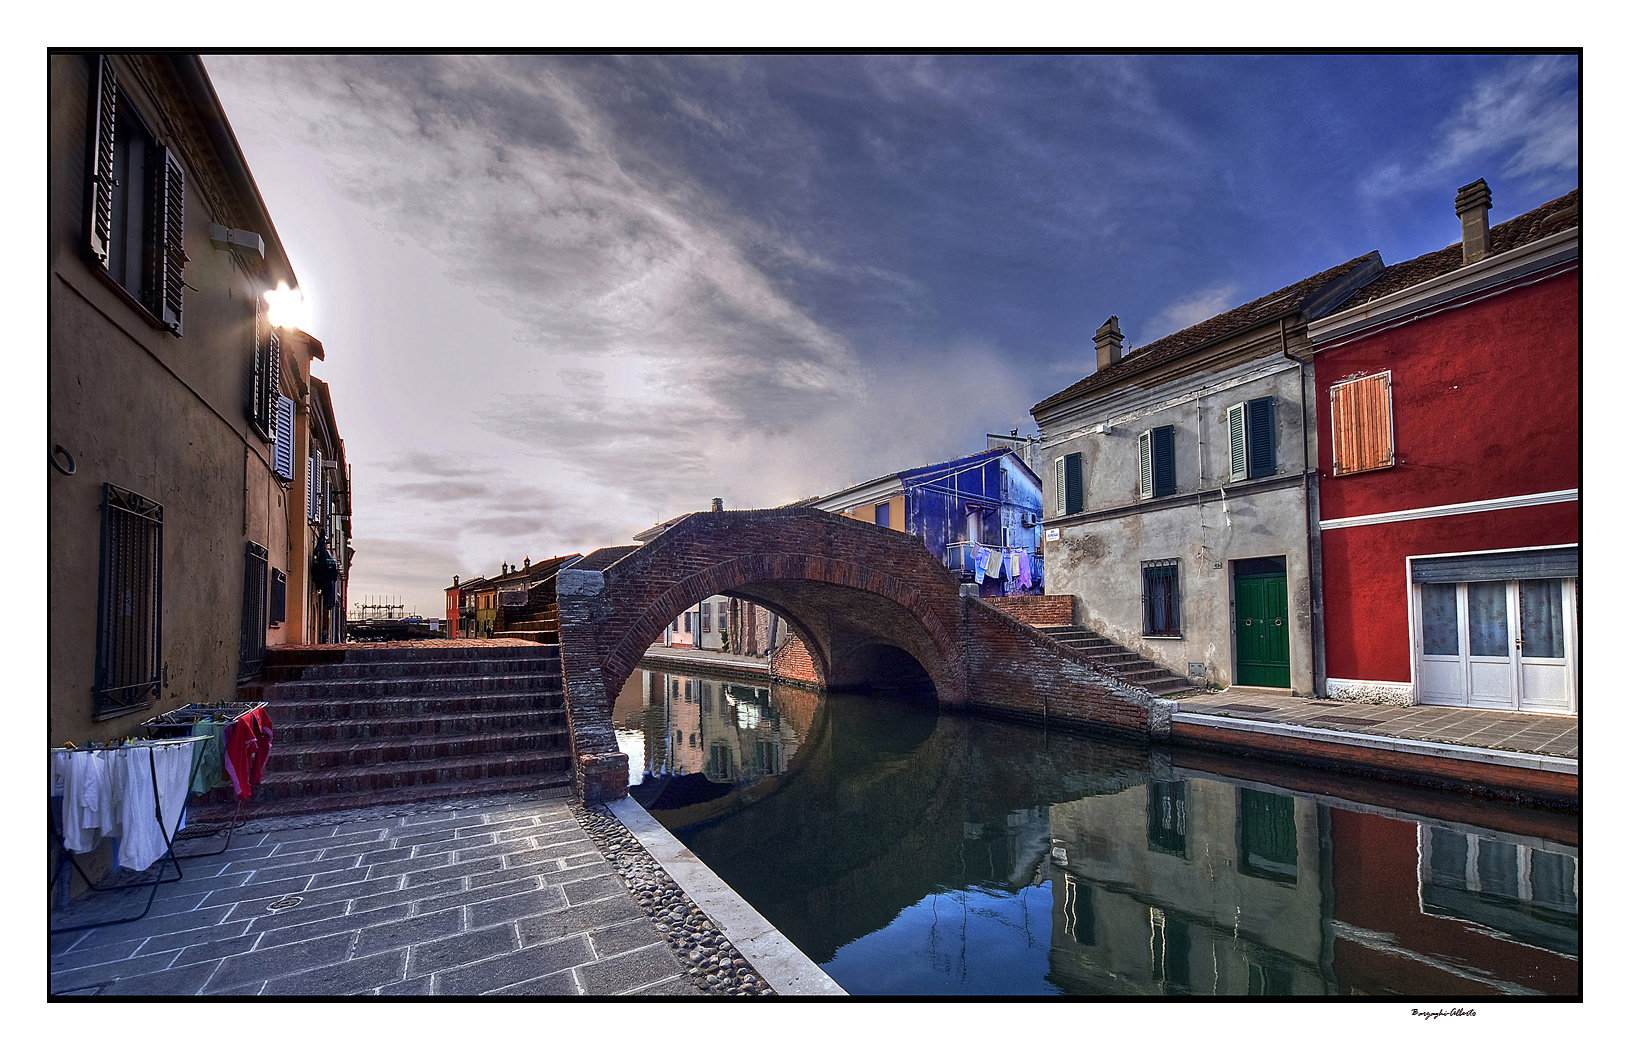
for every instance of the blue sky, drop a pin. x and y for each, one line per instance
(566, 297)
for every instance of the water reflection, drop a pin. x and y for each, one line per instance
(913, 853)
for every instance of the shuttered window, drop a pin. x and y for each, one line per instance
(1361, 424)
(268, 364)
(1058, 485)
(1251, 440)
(1157, 465)
(1069, 491)
(314, 473)
(283, 445)
(136, 202)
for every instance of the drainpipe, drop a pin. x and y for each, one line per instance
(1315, 549)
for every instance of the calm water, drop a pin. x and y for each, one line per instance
(909, 852)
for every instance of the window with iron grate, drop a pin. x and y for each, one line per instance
(1162, 604)
(129, 604)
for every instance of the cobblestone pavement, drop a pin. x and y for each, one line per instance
(1555, 736)
(497, 896)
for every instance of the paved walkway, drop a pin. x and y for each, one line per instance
(1554, 736)
(506, 897)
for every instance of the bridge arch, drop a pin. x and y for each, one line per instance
(858, 595)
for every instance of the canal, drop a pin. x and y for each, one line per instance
(917, 853)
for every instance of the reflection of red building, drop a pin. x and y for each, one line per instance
(1449, 443)
(1411, 901)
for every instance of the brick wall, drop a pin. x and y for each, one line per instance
(792, 661)
(1038, 610)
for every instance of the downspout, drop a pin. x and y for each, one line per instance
(1315, 550)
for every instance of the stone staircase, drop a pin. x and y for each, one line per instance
(538, 620)
(1118, 661)
(365, 725)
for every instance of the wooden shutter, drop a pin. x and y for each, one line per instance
(274, 374)
(1361, 424)
(1260, 439)
(257, 383)
(1165, 462)
(1146, 474)
(1058, 486)
(283, 443)
(314, 466)
(1074, 494)
(103, 115)
(169, 229)
(1238, 464)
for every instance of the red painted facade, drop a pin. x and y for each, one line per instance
(1485, 405)
(452, 612)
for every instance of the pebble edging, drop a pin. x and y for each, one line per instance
(711, 962)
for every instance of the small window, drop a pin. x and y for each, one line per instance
(129, 607)
(1267, 835)
(279, 604)
(1251, 440)
(1361, 424)
(1069, 492)
(252, 628)
(882, 514)
(1161, 600)
(1157, 465)
(1168, 817)
(707, 616)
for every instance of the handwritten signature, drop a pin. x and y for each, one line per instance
(1431, 1015)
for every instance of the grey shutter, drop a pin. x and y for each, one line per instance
(314, 466)
(257, 383)
(1165, 462)
(283, 442)
(103, 115)
(1554, 563)
(1238, 465)
(1261, 438)
(274, 373)
(1146, 475)
(1058, 485)
(170, 206)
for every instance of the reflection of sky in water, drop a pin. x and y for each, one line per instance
(631, 742)
(949, 943)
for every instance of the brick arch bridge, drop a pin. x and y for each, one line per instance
(853, 591)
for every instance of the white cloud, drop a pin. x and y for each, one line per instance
(1198, 307)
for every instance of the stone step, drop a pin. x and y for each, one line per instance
(365, 708)
(388, 652)
(1117, 660)
(547, 662)
(354, 755)
(292, 733)
(361, 783)
(542, 637)
(358, 688)
(203, 816)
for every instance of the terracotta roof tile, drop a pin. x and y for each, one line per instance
(1285, 301)
(1543, 221)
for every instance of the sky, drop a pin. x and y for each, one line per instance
(563, 298)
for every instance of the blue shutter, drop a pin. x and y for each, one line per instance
(283, 442)
(1074, 494)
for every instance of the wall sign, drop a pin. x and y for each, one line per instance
(1052, 534)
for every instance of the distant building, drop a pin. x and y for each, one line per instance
(1180, 489)
(718, 623)
(1449, 452)
(980, 510)
(200, 501)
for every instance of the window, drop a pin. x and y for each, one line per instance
(1161, 601)
(1361, 424)
(707, 616)
(314, 486)
(129, 643)
(1251, 438)
(882, 514)
(137, 203)
(687, 627)
(1069, 494)
(252, 628)
(283, 442)
(1157, 466)
(280, 590)
(1168, 817)
(267, 364)
(1267, 835)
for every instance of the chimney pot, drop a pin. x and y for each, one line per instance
(1108, 339)
(529, 561)
(1472, 205)
(718, 504)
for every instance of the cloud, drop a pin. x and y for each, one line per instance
(1185, 312)
(1524, 118)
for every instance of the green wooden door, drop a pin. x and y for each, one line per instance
(1262, 630)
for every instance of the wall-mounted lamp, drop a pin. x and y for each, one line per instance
(226, 238)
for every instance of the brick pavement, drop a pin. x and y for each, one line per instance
(506, 897)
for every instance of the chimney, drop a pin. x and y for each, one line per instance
(455, 581)
(529, 561)
(1472, 205)
(718, 504)
(1109, 343)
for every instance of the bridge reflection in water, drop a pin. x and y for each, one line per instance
(911, 852)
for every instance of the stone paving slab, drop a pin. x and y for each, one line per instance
(345, 908)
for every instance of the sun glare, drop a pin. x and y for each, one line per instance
(286, 307)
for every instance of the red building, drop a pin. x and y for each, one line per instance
(1449, 462)
(453, 609)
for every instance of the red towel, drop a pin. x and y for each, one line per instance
(248, 745)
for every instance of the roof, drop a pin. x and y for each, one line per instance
(1543, 221)
(911, 472)
(1282, 303)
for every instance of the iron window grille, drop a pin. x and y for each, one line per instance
(1162, 600)
(252, 630)
(129, 603)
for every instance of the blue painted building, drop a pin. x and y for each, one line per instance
(983, 509)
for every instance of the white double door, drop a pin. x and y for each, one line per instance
(1498, 644)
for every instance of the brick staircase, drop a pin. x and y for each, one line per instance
(1118, 661)
(538, 620)
(365, 725)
